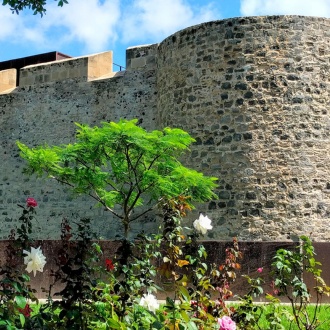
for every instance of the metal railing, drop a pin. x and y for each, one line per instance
(120, 66)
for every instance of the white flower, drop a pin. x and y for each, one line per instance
(202, 224)
(34, 260)
(150, 302)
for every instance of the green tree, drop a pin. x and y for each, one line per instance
(121, 164)
(38, 6)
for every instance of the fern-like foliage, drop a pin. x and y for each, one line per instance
(121, 164)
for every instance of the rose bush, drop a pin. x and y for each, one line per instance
(126, 303)
(15, 291)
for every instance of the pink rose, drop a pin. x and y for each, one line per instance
(31, 202)
(226, 323)
(259, 270)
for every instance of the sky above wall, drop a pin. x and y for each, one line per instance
(89, 26)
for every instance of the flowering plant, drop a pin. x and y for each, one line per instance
(109, 265)
(226, 323)
(203, 224)
(26, 311)
(31, 202)
(101, 305)
(150, 302)
(34, 260)
(15, 312)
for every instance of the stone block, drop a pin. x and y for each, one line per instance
(138, 62)
(7, 79)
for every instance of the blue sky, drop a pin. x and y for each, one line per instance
(89, 26)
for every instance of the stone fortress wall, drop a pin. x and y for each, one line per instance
(253, 92)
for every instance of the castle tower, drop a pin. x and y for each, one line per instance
(254, 92)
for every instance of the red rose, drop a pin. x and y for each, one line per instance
(31, 202)
(109, 265)
(26, 311)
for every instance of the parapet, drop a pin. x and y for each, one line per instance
(84, 68)
(141, 57)
(7, 80)
(50, 67)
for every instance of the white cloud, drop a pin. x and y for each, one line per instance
(155, 20)
(10, 24)
(285, 7)
(89, 26)
(18, 28)
(90, 22)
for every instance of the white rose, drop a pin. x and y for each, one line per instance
(202, 224)
(150, 302)
(34, 260)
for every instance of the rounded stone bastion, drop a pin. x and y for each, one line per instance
(254, 93)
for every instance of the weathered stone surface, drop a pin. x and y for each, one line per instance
(253, 92)
(273, 91)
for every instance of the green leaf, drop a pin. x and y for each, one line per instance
(192, 326)
(25, 277)
(158, 325)
(184, 292)
(115, 317)
(185, 315)
(204, 265)
(114, 324)
(17, 286)
(20, 301)
(22, 319)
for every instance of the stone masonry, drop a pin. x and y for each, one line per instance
(253, 92)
